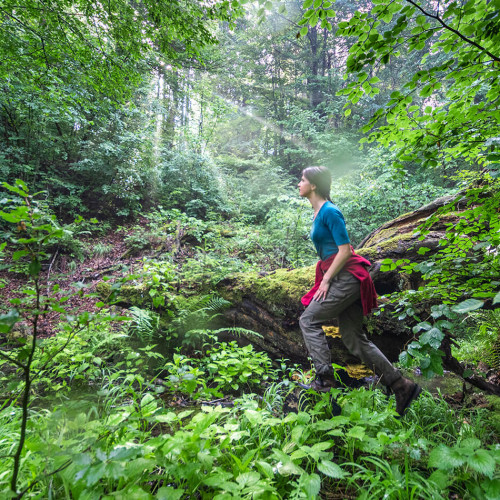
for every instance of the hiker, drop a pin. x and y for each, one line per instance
(344, 289)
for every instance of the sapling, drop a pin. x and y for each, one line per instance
(32, 229)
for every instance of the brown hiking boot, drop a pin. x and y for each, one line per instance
(405, 391)
(320, 384)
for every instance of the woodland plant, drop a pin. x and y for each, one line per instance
(33, 231)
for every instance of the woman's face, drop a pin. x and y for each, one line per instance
(305, 187)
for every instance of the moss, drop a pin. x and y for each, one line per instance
(388, 240)
(279, 291)
(130, 295)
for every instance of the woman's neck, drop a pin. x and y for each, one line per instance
(316, 202)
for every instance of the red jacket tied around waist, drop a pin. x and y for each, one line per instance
(357, 266)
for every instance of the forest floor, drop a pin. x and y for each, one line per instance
(78, 279)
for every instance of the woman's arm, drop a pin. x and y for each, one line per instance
(338, 263)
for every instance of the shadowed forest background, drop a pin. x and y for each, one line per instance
(150, 152)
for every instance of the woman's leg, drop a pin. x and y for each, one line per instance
(351, 329)
(342, 301)
(343, 292)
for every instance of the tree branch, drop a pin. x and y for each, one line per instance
(449, 28)
(12, 360)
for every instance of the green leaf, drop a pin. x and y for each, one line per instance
(247, 479)
(35, 267)
(95, 473)
(19, 253)
(482, 461)
(445, 458)
(307, 4)
(289, 468)
(169, 493)
(467, 306)
(265, 468)
(491, 488)
(166, 418)
(441, 478)
(16, 189)
(357, 432)
(7, 321)
(304, 30)
(311, 485)
(331, 469)
(496, 299)
(433, 337)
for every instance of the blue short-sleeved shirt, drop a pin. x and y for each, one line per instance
(328, 231)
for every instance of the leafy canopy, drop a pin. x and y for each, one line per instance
(45, 40)
(449, 106)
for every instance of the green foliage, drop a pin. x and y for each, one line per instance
(458, 277)
(32, 230)
(157, 277)
(191, 181)
(376, 193)
(478, 340)
(144, 323)
(447, 97)
(225, 368)
(248, 450)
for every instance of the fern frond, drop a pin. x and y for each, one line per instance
(237, 331)
(142, 322)
(217, 304)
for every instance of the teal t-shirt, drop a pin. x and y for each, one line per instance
(328, 231)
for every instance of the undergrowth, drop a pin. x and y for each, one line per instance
(106, 429)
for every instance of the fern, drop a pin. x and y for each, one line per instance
(197, 314)
(144, 323)
(236, 331)
(217, 304)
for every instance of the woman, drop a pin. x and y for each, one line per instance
(343, 289)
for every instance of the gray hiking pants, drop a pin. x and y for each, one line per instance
(343, 301)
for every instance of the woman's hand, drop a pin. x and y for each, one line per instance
(322, 291)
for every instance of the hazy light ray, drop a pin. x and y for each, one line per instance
(271, 126)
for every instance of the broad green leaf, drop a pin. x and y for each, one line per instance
(445, 458)
(467, 306)
(7, 321)
(169, 493)
(265, 468)
(95, 473)
(491, 488)
(289, 468)
(482, 461)
(331, 469)
(166, 418)
(311, 485)
(357, 432)
(247, 479)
